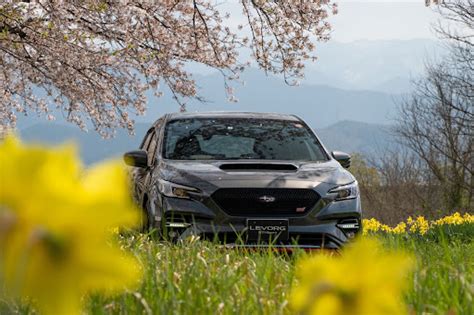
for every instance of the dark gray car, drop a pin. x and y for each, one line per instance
(244, 178)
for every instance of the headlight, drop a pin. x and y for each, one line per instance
(344, 192)
(175, 190)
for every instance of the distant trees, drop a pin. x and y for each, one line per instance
(95, 59)
(433, 174)
(437, 121)
(397, 185)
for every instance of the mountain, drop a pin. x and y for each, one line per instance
(357, 137)
(379, 65)
(399, 85)
(348, 136)
(92, 147)
(319, 105)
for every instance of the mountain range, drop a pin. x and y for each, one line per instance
(319, 105)
(378, 65)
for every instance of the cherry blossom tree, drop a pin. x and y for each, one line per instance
(95, 60)
(430, 2)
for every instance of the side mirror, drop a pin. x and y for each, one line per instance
(343, 158)
(138, 158)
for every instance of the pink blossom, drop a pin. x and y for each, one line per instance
(96, 60)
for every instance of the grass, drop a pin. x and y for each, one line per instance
(203, 278)
(443, 282)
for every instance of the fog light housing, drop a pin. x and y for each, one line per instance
(350, 227)
(350, 234)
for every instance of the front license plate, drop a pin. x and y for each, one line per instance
(267, 230)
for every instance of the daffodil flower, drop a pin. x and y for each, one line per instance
(364, 279)
(55, 223)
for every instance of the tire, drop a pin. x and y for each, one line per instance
(147, 222)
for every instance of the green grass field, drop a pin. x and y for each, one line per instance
(204, 278)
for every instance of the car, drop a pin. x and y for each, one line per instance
(244, 179)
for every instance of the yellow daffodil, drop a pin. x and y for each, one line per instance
(419, 225)
(55, 222)
(455, 219)
(400, 228)
(372, 225)
(364, 279)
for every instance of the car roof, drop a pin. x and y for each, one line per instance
(224, 114)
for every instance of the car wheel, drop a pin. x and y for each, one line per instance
(148, 225)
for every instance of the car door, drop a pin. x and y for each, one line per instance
(140, 175)
(147, 177)
(153, 155)
(153, 200)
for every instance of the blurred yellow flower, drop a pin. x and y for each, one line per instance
(55, 222)
(364, 280)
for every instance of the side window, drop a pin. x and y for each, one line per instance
(146, 140)
(152, 140)
(151, 150)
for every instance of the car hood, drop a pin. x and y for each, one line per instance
(208, 175)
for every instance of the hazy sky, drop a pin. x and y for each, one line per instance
(383, 19)
(372, 20)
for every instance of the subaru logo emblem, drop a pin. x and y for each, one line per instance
(266, 199)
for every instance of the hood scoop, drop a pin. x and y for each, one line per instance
(257, 167)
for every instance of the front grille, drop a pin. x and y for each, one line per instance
(265, 202)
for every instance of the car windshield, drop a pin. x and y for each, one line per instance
(240, 138)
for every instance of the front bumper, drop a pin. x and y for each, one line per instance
(325, 235)
(319, 228)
